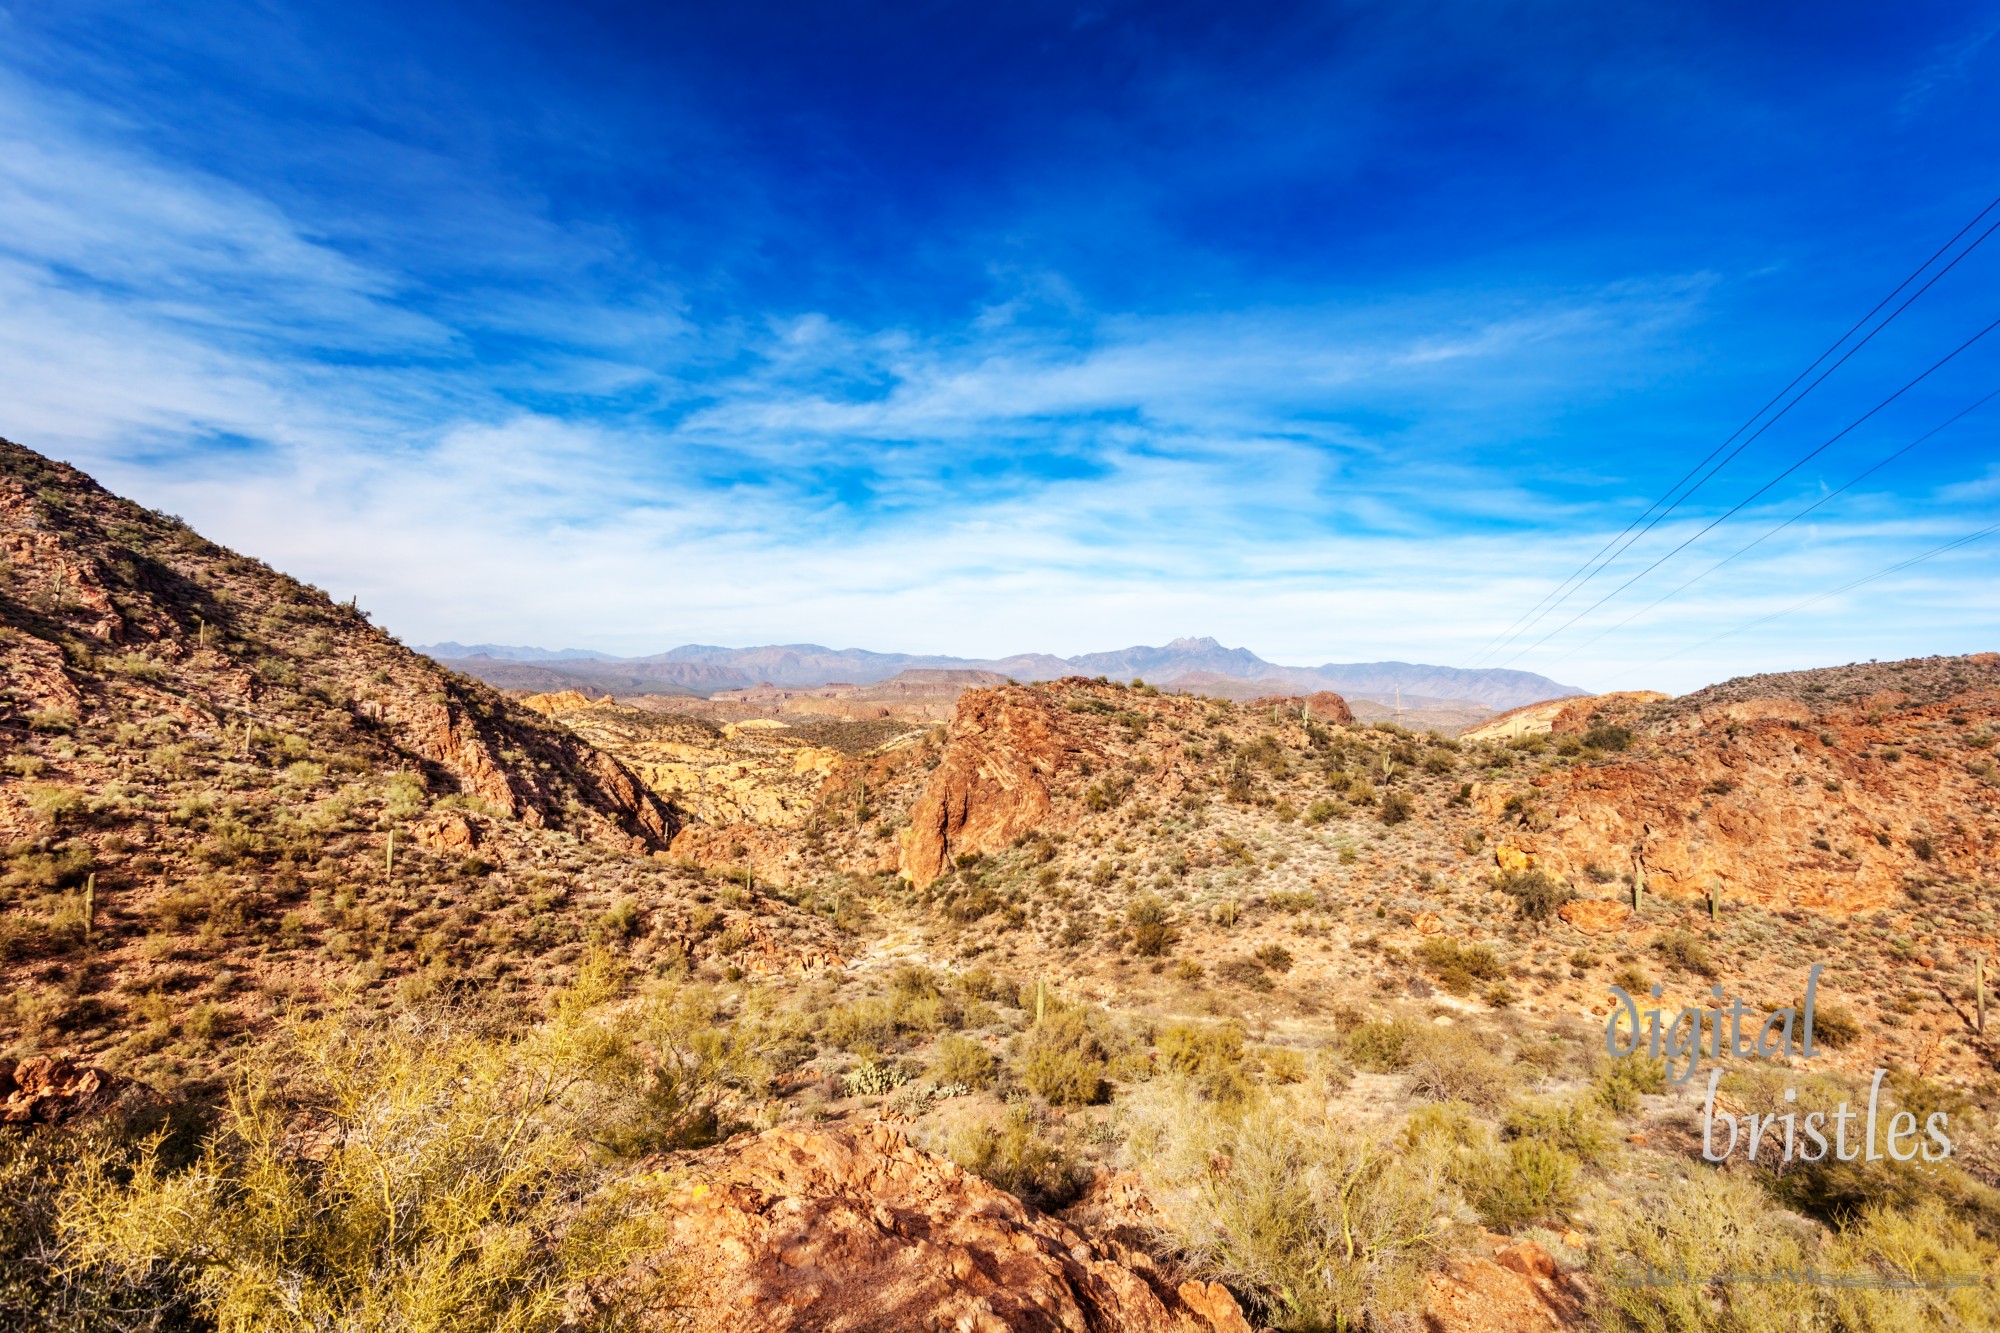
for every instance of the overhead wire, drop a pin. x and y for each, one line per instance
(1624, 540)
(1776, 528)
(1899, 566)
(1798, 463)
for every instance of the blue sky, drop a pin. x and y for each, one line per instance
(1340, 331)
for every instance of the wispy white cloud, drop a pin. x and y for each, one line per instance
(1318, 482)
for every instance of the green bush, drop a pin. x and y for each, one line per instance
(1021, 1157)
(1320, 1221)
(1834, 1025)
(1152, 925)
(1537, 893)
(1523, 1181)
(1396, 808)
(1452, 1065)
(1458, 966)
(1064, 1061)
(956, 1059)
(1381, 1047)
(1621, 1082)
(450, 1186)
(54, 805)
(1604, 736)
(1686, 951)
(1576, 1125)
(1274, 957)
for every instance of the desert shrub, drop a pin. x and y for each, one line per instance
(1193, 1048)
(1925, 1241)
(1834, 1025)
(1703, 1225)
(1322, 1222)
(1574, 1124)
(1604, 736)
(1381, 1047)
(671, 1067)
(1246, 971)
(1063, 1059)
(957, 1059)
(1440, 762)
(1620, 1083)
(1537, 893)
(54, 805)
(41, 1287)
(1209, 1054)
(1457, 966)
(1021, 1157)
(622, 919)
(1274, 957)
(1396, 808)
(1152, 925)
(59, 867)
(1321, 810)
(448, 1190)
(1451, 1123)
(862, 1025)
(1686, 951)
(1522, 1181)
(1451, 1065)
(1285, 1065)
(404, 796)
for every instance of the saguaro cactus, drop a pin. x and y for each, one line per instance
(1714, 897)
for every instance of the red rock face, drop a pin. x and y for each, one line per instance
(1323, 706)
(1788, 807)
(1004, 749)
(42, 1090)
(1518, 1289)
(840, 1231)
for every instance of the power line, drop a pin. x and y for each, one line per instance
(1952, 545)
(1776, 528)
(1563, 590)
(1802, 460)
(1779, 527)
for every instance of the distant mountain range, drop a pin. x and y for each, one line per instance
(1198, 665)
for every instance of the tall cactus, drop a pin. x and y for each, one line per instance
(1714, 897)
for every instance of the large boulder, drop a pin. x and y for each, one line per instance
(844, 1230)
(44, 1090)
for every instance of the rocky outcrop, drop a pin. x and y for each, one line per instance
(1777, 803)
(44, 1090)
(769, 855)
(1324, 706)
(1565, 717)
(1516, 1288)
(562, 701)
(845, 1230)
(1003, 750)
(1594, 916)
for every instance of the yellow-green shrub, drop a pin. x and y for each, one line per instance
(449, 1187)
